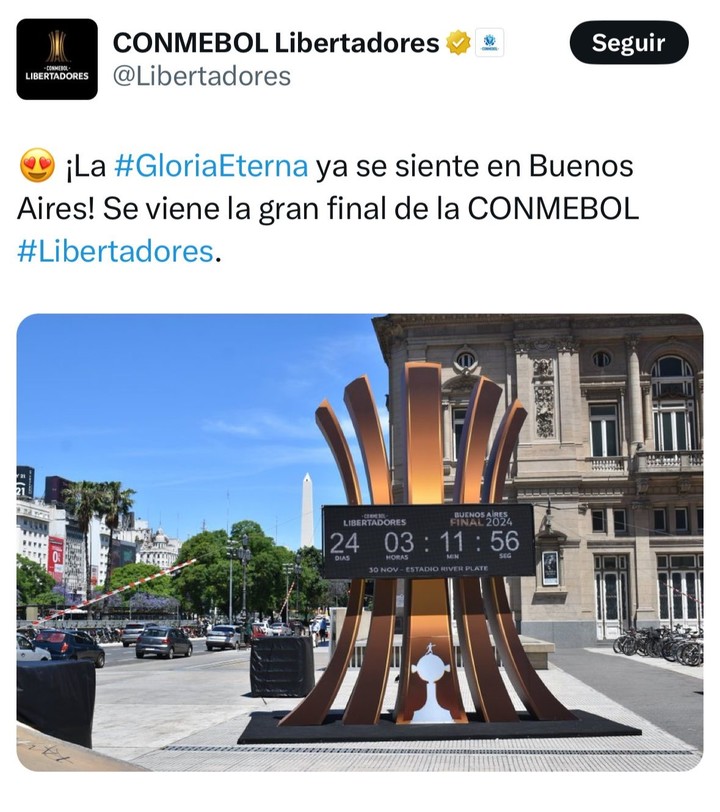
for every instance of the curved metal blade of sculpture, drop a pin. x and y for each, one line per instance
(481, 604)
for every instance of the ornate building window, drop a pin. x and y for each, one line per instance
(603, 430)
(681, 520)
(681, 588)
(456, 395)
(458, 418)
(659, 520)
(673, 392)
(465, 361)
(602, 359)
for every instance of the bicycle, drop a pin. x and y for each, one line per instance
(692, 652)
(626, 643)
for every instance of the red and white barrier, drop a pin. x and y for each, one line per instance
(83, 604)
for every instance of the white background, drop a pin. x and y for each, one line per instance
(537, 98)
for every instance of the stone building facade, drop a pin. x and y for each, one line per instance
(46, 534)
(158, 549)
(610, 456)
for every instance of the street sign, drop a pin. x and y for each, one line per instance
(428, 541)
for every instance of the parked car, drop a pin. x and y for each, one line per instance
(131, 632)
(225, 636)
(280, 630)
(70, 644)
(260, 630)
(163, 641)
(26, 651)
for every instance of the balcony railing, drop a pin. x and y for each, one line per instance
(670, 461)
(608, 464)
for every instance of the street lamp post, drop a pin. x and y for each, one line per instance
(245, 556)
(298, 561)
(231, 553)
(288, 568)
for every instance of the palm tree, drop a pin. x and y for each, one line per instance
(116, 504)
(83, 500)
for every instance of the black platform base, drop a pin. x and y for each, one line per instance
(263, 728)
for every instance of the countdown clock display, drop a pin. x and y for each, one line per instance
(428, 541)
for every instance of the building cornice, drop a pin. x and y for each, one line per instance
(398, 327)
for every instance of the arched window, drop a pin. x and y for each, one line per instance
(673, 392)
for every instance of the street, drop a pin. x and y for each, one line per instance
(118, 656)
(672, 698)
(188, 713)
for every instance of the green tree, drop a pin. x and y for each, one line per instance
(84, 500)
(33, 582)
(128, 574)
(203, 585)
(255, 533)
(338, 593)
(116, 503)
(314, 589)
(268, 584)
(264, 570)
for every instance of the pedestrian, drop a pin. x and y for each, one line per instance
(323, 630)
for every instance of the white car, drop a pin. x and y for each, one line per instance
(225, 636)
(27, 652)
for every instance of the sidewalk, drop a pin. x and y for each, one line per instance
(196, 731)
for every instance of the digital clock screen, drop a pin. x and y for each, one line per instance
(428, 541)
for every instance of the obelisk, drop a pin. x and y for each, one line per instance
(306, 523)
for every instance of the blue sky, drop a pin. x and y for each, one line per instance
(210, 418)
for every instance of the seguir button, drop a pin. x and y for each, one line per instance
(629, 42)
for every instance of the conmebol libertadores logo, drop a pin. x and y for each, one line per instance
(57, 59)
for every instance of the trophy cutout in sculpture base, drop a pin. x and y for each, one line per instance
(430, 669)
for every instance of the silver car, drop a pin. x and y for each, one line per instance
(281, 630)
(225, 636)
(26, 651)
(163, 641)
(132, 631)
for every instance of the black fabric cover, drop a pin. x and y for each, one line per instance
(282, 666)
(58, 698)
